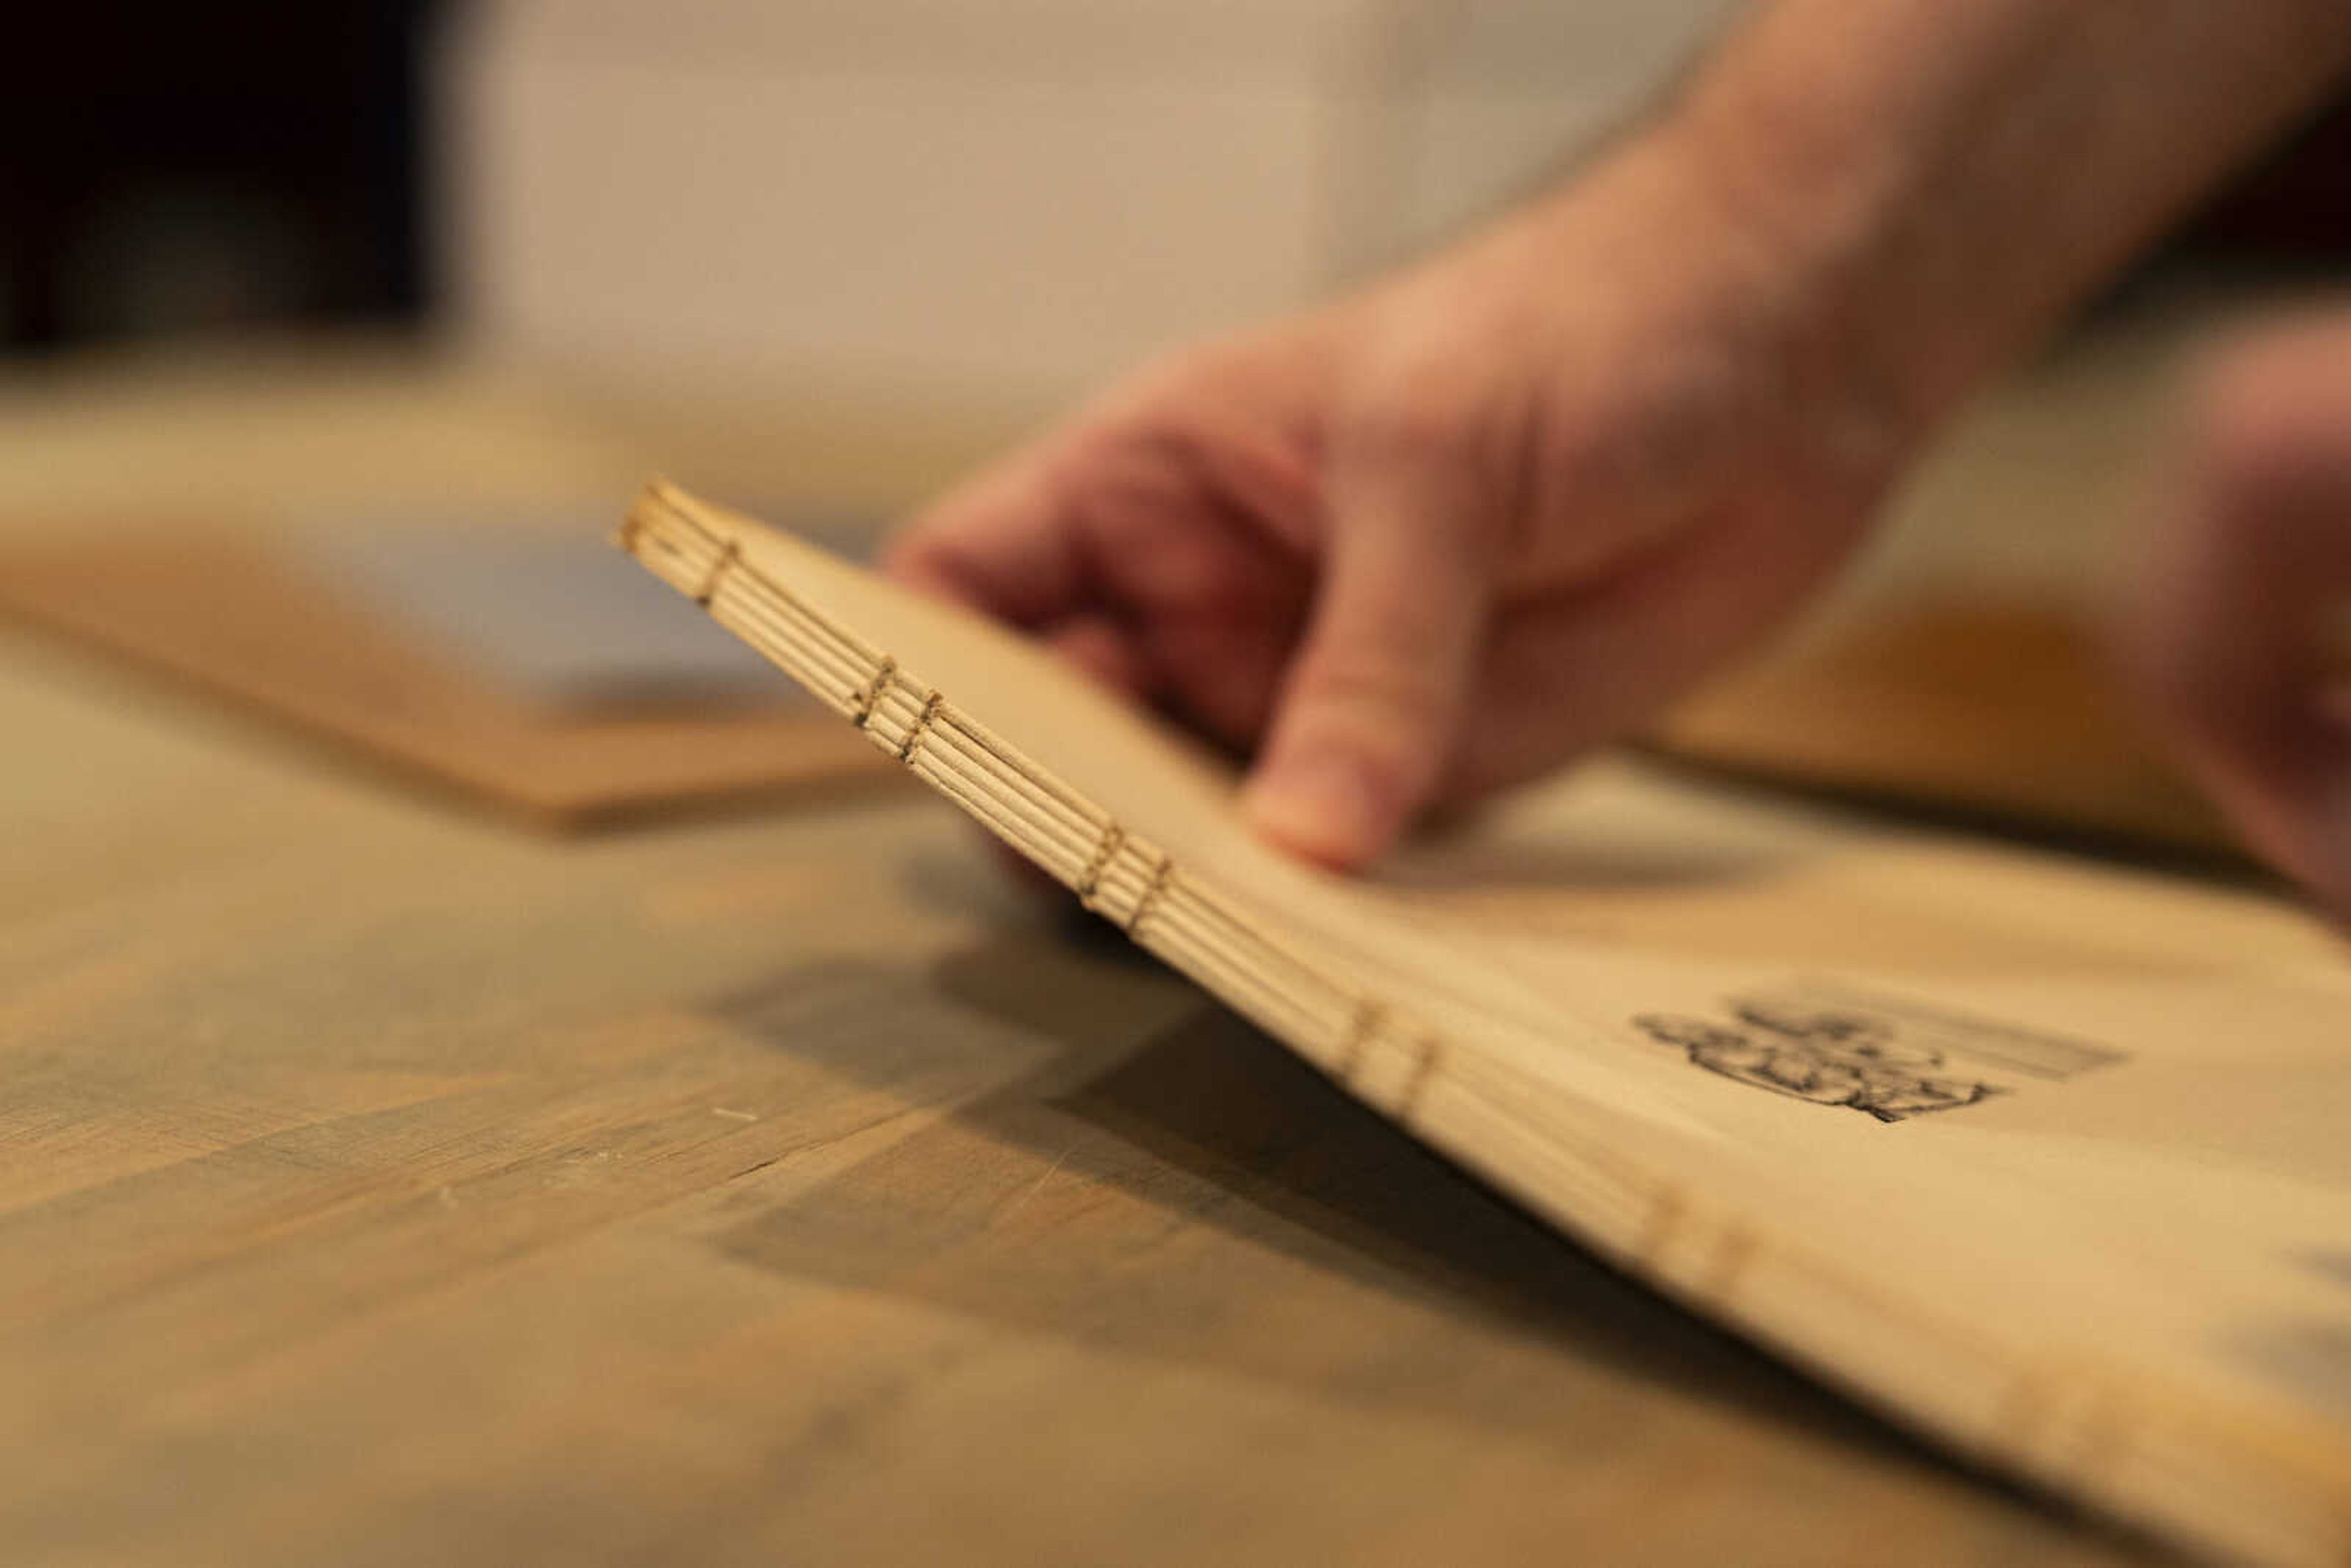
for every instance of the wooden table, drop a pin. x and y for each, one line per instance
(383, 1185)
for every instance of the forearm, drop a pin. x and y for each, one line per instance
(1949, 177)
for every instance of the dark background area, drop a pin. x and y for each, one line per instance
(173, 170)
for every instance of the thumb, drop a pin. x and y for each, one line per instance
(1374, 699)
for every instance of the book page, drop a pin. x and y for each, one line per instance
(2041, 1156)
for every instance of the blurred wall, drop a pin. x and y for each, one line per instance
(1003, 202)
(1013, 197)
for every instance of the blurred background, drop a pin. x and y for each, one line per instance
(1002, 204)
(427, 1128)
(998, 204)
(304, 267)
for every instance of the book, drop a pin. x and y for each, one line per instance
(547, 728)
(2045, 1159)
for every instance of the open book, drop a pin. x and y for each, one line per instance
(2049, 1160)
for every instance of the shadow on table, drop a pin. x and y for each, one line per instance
(1201, 1195)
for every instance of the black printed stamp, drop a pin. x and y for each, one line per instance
(1828, 1055)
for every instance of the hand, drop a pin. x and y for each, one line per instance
(2236, 629)
(1458, 528)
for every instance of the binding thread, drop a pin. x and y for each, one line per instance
(915, 731)
(1152, 892)
(1734, 1249)
(870, 697)
(1665, 1216)
(1422, 1070)
(1104, 852)
(728, 555)
(1369, 1017)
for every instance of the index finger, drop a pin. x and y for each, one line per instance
(1004, 543)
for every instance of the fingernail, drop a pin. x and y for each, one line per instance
(1322, 804)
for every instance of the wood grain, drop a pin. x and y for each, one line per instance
(378, 1185)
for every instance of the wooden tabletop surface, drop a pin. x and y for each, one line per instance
(381, 1185)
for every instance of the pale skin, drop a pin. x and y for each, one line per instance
(1469, 523)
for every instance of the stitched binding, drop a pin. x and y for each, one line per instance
(1369, 1018)
(1152, 892)
(870, 697)
(915, 731)
(1104, 852)
(1422, 1070)
(727, 557)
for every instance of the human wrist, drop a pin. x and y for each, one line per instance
(1831, 222)
(1721, 261)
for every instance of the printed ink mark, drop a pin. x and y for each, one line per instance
(1828, 1057)
(1994, 1043)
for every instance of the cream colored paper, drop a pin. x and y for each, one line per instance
(2050, 1160)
